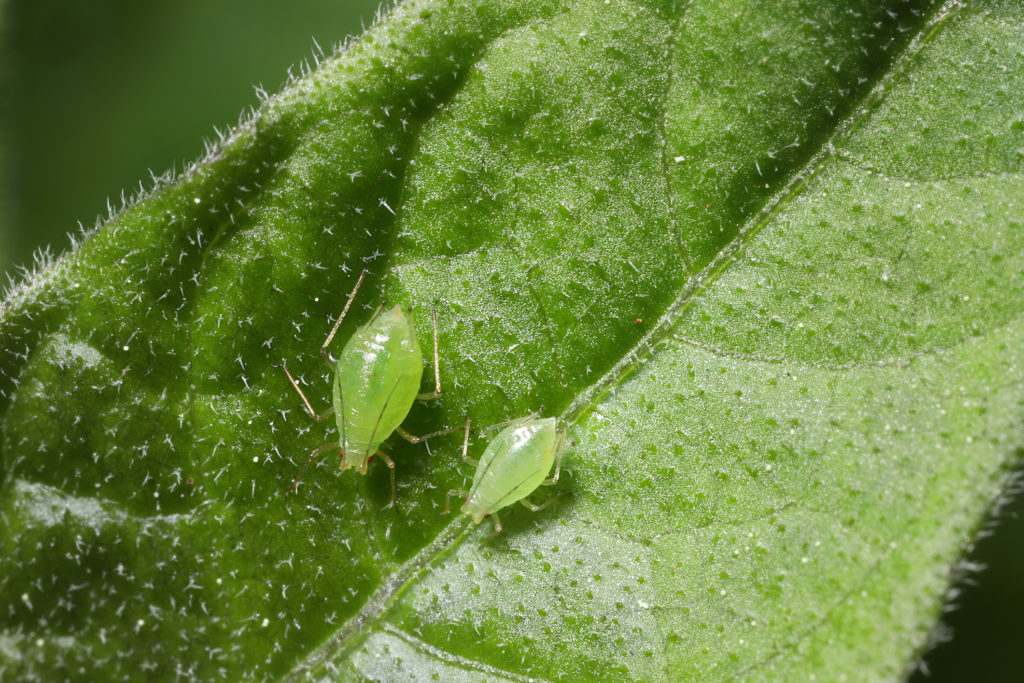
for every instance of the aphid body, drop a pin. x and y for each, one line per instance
(513, 465)
(376, 380)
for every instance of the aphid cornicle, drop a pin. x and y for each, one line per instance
(513, 465)
(376, 380)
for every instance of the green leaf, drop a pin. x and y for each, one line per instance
(765, 260)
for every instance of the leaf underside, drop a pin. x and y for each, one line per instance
(764, 259)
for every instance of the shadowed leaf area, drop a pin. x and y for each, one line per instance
(764, 260)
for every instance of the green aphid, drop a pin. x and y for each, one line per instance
(513, 465)
(377, 378)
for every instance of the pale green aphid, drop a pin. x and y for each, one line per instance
(513, 465)
(376, 380)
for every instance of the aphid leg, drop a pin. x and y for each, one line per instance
(316, 451)
(506, 423)
(537, 508)
(324, 355)
(391, 466)
(448, 499)
(497, 526)
(560, 450)
(305, 401)
(412, 438)
(437, 367)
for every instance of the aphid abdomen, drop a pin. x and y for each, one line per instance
(376, 381)
(513, 465)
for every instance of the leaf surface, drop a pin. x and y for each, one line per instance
(764, 260)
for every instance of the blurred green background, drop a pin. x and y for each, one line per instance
(95, 94)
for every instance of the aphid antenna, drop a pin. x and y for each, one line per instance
(325, 356)
(506, 423)
(317, 417)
